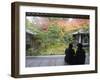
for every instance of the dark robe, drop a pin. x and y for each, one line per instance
(69, 56)
(80, 56)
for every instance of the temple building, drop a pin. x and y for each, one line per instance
(31, 40)
(81, 37)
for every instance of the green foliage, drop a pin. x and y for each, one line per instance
(51, 42)
(86, 29)
(30, 26)
(68, 38)
(31, 52)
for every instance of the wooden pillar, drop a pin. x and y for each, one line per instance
(79, 38)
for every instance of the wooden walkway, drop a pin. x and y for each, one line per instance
(54, 60)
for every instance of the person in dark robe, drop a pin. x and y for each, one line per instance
(80, 54)
(69, 55)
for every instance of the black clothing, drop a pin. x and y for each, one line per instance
(75, 59)
(69, 56)
(80, 56)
